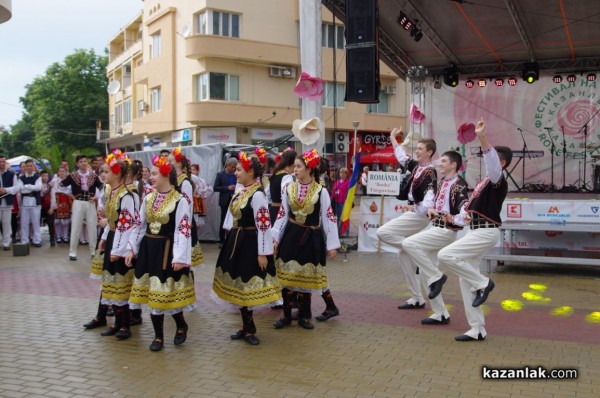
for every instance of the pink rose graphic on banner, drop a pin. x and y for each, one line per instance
(574, 115)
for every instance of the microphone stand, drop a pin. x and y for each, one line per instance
(584, 186)
(552, 149)
(564, 156)
(525, 153)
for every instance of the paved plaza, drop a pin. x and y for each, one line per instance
(537, 316)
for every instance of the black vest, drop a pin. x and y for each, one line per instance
(31, 181)
(458, 197)
(487, 200)
(8, 178)
(426, 181)
(275, 186)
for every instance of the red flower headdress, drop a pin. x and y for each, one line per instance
(261, 154)
(245, 161)
(280, 154)
(311, 158)
(112, 160)
(164, 168)
(178, 154)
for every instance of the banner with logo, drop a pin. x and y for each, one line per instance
(539, 114)
(213, 135)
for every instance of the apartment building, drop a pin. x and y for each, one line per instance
(195, 72)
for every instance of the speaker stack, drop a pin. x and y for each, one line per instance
(362, 52)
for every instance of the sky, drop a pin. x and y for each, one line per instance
(42, 32)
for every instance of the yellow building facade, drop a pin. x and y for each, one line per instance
(205, 71)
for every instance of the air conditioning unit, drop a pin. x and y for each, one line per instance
(342, 142)
(390, 89)
(142, 106)
(282, 71)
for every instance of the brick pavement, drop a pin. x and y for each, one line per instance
(371, 350)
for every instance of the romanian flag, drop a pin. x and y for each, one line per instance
(350, 198)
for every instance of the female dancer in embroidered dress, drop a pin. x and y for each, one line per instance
(245, 271)
(161, 241)
(184, 181)
(117, 277)
(305, 233)
(282, 176)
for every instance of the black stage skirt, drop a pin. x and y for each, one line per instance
(156, 283)
(117, 278)
(238, 277)
(301, 260)
(197, 255)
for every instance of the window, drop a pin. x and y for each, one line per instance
(119, 118)
(217, 86)
(328, 95)
(155, 45)
(155, 99)
(218, 23)
(382, 106)
(127, 111)
(141, 108)
(332, 36)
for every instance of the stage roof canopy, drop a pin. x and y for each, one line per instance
(488, 38)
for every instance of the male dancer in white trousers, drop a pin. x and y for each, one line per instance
(30, 185)
(414, 218)
(84, 183)
(8, 190)
(422, 248)
(482, 213)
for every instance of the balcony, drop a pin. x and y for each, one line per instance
(203, 46)
(120, 59)
(219, 113)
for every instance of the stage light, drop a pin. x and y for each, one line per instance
(557, 79)
(481, 82)
(418, 36)
(437, 84)
(499, 82)
(531, 72)
(404, 21)
(591, 77)
(571, 78)
(451, 76)
(512, 81)
(469, 83)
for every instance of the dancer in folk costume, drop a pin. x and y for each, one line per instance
(202, 191)
(61, 203)
(305, 233)
(120, 209)
(281, 177)
(184, 181)
(162, 243)
(47, 209)
(245, 273)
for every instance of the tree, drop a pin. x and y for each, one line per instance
(19, 141)
(64, 104)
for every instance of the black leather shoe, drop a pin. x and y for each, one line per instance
(251, 339)
(135, 321)
(110, 312)
(180, 336)
(466, 337)
(482, 295)
(328, 314)
(436, 287)
(95, 323)
(37, 245)
(408, 306)
(52, 243)
(431, 321)
(123, 334)
(305, 323)
(237, 335)
(6, 248)
(280, 323)
(111, 331)
(157, 345)
(72, 258)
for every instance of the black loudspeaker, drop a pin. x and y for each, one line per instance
(361, 21)
(362, 75)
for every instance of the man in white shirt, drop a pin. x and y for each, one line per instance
(8, 189)
(30, 185)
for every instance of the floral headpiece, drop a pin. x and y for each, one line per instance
(112, 160)
(245, 161)
(262, 155)
(163, 165)
(280, 154)
(178, 154)
(311, 158)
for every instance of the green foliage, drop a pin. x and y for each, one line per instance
(62, 106)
